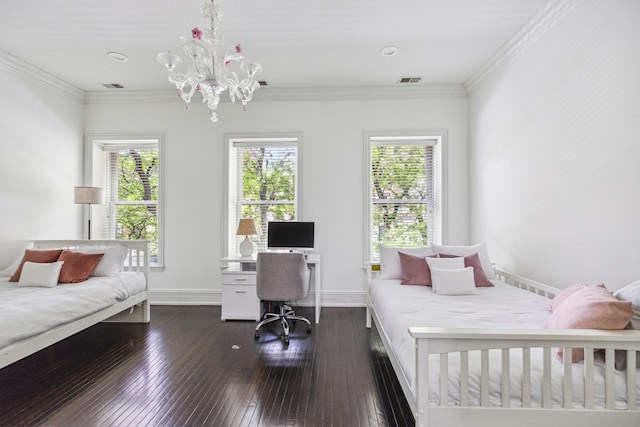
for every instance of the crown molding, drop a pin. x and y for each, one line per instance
(524, 38)
(42, 78)
(27, 71)
(295, 94)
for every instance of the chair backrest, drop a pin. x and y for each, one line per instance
(281, 276)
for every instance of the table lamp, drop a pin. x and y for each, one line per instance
(246, 228)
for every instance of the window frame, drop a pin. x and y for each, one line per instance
(94, 172)
(372, 138)
(230, 241)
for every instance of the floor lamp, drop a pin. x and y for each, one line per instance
(88, 196)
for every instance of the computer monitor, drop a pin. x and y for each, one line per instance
(290, 235)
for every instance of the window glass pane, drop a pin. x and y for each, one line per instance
(399, 172)
(138, 222)
(264, 183)
(133, 177)
(138, 174)
(268, 173)
(401, 193)
(401, 225)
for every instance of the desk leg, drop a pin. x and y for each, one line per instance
(318, 276)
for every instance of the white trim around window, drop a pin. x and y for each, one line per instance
(96, 144)
(231, 183)
(437, 203)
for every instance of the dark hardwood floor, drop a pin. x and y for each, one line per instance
(188, 368)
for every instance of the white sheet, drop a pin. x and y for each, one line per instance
(28, 311)
(401, 306)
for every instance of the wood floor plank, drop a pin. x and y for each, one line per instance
(188, 368)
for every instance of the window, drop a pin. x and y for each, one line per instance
(404, 190)
(129, 171)
(262, 183)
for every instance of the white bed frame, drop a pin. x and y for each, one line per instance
(135, 309)
(434, 340)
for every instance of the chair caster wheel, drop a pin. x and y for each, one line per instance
(308, 329)
(286, 342)
(257, 335)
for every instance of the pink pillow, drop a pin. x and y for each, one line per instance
(566, 293)
(473, 260)
(593, 307)
(415, 270)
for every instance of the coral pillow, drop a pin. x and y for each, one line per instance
(479, 276)
(566, 293)
(36, 255)
(593, 307)
(77, 266)
(415, 270)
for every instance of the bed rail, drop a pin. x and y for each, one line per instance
(527, 284)
(458, 343)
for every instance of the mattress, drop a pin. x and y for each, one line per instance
(29, 311)
(399, 307)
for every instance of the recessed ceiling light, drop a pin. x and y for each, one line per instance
(388, 51)
(116, 56)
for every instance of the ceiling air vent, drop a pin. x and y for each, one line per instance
(409, 79)
(113, 85)
(262, 83)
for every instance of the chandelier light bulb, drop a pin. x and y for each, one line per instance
(211, 71)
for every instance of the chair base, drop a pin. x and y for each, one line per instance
(286, 313)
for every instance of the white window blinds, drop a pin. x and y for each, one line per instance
(131, 193)
(402, 192)
(263, 184)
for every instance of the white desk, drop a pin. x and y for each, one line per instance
(247, 264)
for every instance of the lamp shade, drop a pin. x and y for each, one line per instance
(246, 227)
(88, 195)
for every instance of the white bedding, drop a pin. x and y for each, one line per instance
(399, 307)
(28, 311)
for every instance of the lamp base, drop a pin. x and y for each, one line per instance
(246, 247)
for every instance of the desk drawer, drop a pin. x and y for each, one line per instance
(238, 279)
(240, 302)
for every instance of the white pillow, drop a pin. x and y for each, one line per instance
(453, 282)
(390, 261)
(631, 292)
(10, 271)
(111, 263)
(40, 274)
(480, 248)
(443, 264)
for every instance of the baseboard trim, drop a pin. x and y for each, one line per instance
(214, 297)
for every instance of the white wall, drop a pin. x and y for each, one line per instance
(332, 191)
(555, 150)
(41, 132)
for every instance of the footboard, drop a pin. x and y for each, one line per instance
(577, 407)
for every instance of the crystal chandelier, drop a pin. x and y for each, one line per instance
(211, 71)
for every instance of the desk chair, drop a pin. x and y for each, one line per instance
(281, 277)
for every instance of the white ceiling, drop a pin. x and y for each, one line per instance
(300, 43)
